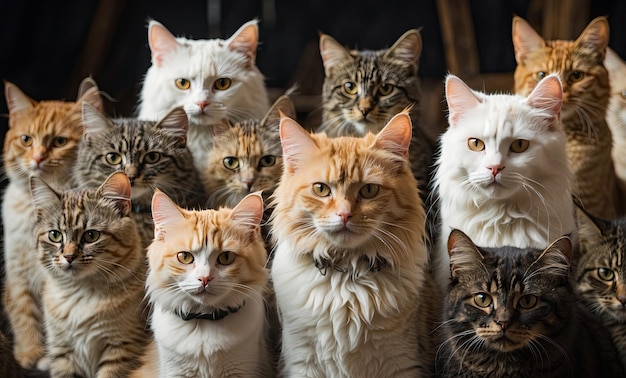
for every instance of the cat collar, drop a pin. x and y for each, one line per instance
(373, 265)
(215, 315)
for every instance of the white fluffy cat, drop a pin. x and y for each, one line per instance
(616, 112)
(502, 174)
(211, 79)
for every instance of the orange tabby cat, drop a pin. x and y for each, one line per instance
(41, 141)
(586, 93)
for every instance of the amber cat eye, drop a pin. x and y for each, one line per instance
(475, 144)
(113, 158)
(540, 75)
(226, 258)
(185, 257)
(520, 145)
(60, 141)
(183, 84)
(527, 301)
(222, 83)
(385, 89)
(482, 300)
(369, 190)
(91, 236)
(152, 157)
(267, 161)
(321, 189)
(606, 274)
(231, 163)
(26, 140)
(350, 88)
(575, 76)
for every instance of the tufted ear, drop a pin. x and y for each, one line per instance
(395, 137)
(332, 53)
(117, 188)
(175, 123)
(464, 254)
(166, 215)
(249, 212)
(297, 143)
(17, 101)
(93, 121)
(89, 92)
(407, 48)
(460, 99)
(525, 39)
(161, 42)
(42, 194)
(245, 39)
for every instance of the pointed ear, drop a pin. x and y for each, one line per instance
(407, 48)
(88, 92)
(161, 42)
(249, 212)
(116, 188)
(556, 258)
(245, 40)
(462, 251)
(283, 105)
(220, 129)
(94, 122)
(42, 194)
(595, 36)
(395, 137)
(175, 123)
(460, 98)
(590, 226)
(547, 95)
(332, 53)
(525, 39)
(297, 143)
(17, 101)
(613, 62)
(166, 215)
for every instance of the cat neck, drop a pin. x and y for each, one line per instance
(354, 267)
(218, 314)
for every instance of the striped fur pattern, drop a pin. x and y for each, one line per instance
(94, 269)
(512, 312)
(41, 141)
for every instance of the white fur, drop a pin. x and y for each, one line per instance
(616, 112)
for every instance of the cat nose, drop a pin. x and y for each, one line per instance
(248, 183)
(495, 169)
(70, 252)
(202, 105)
(504, 324)
(345, 216)
(205, 280)
(365, 105)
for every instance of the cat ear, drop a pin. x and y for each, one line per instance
(547, 95)
(165, 213)
(220, 128)
(283, 105)
(17, 101)
(395, 137)
(88, 92)
(249, 211)
(460, 98)
(296, 141)
(556, 258)
(332, 53)
(590, 226)
(595, 36)
(525, 39)
(462, 251)
(42, 194)
(613, 62)
(117, 189)
(94, 122)
(407, 48)
(246, 39)
(175, 123)
(161, 42)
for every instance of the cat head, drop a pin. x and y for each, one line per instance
(616, 113)
(211, 79)
(246, 156)
(348, 197)
(499, 146)
(85, 233)
(363, 90)
(205, 260)
(579, 64)
(505, 299)
(43, 136)
(600, 272)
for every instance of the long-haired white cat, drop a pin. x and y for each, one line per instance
(502, 174)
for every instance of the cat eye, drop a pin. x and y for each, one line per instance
(350, 88)
(185, 257)
(576, 76)
(527, 301)
(113, 158)
(540, 75)
(483, 300)
(321, 190)
(222, 83)
(520, 145)
(231, 163)
(606, 274)
(183, 84)
(152, 157)
(90, 236)
(385, 89)
(369, 190)
(55, 236)
(267, 161)
(26, 140)
(60, 141)
(226, 258)
(475, 144)
(623, 93)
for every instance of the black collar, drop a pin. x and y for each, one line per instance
(373, 265)
(215, 315)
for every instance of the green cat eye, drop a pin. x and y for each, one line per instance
(321, 189)
(226, 258)
(520, 145)
(267, 161)
(575, 76)
(540, 75)
(91, 236)
(113, 158)
(231, 162)
(152, 157)
(350, 88)
(369, 190)
(606, 274)
(185, 257)
(60, 141)
(55, 236)
(183, 84)
(26, 140)
(222, 83)
(527, 301)
(385, 89)
(475, 144)
(482, 300)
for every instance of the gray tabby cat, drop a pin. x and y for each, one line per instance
(95, 269)
(152, 154)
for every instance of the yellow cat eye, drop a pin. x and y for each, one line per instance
(520, 145)
(576, 76)
(60, 141)
(475, 144)
(91, 236)
(226, 258)
(350, 88)
(483, 300)
(385, 89)
(369, 190)
(26, 140)
(183, 84)
(321, 189)
(527, 301)
(606, 274)
(540, 75)
(113, 158)
(231, 162)
(185, 257)
(267, 161)
(222, 83)
(152, 157)
(55, 236)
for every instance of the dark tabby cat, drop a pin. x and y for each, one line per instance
(152, 154)
(600, 273)
(513, 313)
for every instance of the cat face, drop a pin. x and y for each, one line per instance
(506, 299)
(363, 89)
(206, 259)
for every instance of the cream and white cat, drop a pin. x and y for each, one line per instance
(503, 176)
(616, 112)
(211, 79)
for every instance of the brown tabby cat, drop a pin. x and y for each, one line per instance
(41, 141)
(586, 93)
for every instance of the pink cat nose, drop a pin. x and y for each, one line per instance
(205, 280)
(495, 169)
(203, 104)
(345, 216)
(248, 183)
